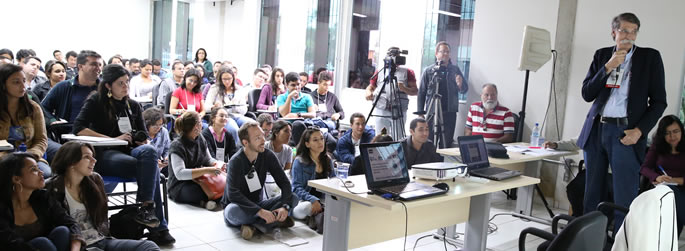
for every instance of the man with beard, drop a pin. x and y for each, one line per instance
(488, 118)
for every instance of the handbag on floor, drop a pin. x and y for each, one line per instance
(212, 185)
(122, 225)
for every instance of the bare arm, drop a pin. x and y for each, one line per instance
(467, 131)
(507, 138)
(174, 105)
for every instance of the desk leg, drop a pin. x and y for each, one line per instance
(336, 224)
(477, 226)
(524, 200)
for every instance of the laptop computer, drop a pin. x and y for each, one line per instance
(475, 156)
(387, 173)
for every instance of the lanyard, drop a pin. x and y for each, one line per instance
(186, 94)
(130, 112)
(215, 137)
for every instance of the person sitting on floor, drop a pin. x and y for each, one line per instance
(190, 159)
(664, 162)
(244, 206)
(348, 145)
(81, 193)
(418, 149)
(220, 143)
(358, 166)
(312, 162)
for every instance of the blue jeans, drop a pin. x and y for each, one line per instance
(45, 168)
(604, 149)
(57, 240)
(235, 216)
(125, 245)
(234, 123)
(51, 150)
(141, 164)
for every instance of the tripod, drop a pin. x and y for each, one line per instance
(435, 113)
(392, 102)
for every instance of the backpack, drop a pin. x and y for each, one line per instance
(122, 225)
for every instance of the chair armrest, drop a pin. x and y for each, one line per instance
(604, 206)
(555, 221)
(534, 231)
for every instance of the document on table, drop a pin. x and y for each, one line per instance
(5, 146)
(533, 151)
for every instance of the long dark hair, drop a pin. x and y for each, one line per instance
(192, 72)
(272, 80)
(25, 108)
(203, 60)
(659, 139)
(220, 83)
(11, 166)
(277, 127)
(93, 197)
(303, 151)
(110, 74)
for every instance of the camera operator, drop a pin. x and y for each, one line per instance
(451, 82)
(406, 83)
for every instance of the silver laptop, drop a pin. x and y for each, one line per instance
(475, 155)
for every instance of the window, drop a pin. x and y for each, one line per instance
(269, 32)
(162, 29)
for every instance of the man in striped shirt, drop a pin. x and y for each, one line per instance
(488, 118)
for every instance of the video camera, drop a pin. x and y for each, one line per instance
(395, 58)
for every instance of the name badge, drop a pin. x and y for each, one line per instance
(253, 184)
(220, 153)
(191, 107)
(323, 108)
(615, 79)
(124, 125)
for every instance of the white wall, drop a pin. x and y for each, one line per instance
(207, 32)
(292, 35)
(660, 29)
(496, 45)
(241, 36)
(107, 27)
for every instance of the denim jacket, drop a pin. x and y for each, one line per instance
(302, 172)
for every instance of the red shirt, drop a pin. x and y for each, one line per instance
(494, 125)
(186, 97)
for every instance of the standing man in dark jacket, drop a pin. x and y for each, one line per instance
(451, 84)
(626, 85)
(242, 199)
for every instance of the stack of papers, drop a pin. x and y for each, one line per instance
(533, 151)
(5, 146)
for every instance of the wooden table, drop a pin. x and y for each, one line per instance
(356, 220)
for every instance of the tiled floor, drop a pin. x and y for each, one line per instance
(198, 229)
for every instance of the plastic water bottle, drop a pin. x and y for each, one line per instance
(535, 136)
(278, 236)
(22, 147)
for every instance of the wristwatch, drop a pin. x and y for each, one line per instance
(286, 206)
(299, 115)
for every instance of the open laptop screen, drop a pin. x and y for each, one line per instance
(385, 164)
(473, 151)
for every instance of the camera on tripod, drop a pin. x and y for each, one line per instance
(395, 58)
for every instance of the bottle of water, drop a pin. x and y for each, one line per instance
(22, 147)
(535, 136)
(278, 236)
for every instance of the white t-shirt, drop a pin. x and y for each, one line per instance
(284, 157)
(78, 211)
(356, 146)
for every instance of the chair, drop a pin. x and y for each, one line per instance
(120, 200)
(581, 234)
(55, 131)
(252, 99)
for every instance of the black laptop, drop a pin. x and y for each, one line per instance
(475, 155)
(387, 174)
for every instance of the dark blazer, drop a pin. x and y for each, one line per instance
(646, 96)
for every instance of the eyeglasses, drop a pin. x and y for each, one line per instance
(627, 32)
(444, 51)
(156, 126)
(674, 132)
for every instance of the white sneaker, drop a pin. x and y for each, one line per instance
(210, 205)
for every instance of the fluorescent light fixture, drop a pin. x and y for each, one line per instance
(358, 15)
(447, 13)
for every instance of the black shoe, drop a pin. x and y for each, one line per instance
(146, 216)
(161, 238)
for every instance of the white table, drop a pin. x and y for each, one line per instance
(356, 220)
(95, 141)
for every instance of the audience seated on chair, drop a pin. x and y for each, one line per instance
(312, 162)
(348, 145)
(109, 113)
(265, 122)
(158, 135)
(81, 193)
(278, 144)
(664, 162)
(226, 92)
(190, 159)
(328, 107)
(304, 80)
(21, 119)
(244, 206)
(490, 119)
(271, 90)
(259, 76)
(418, 149)
(142, 84)
(31, 68)
(55, 70)
(188, 96)
(29, 218)
(170, 84)
(220, 143)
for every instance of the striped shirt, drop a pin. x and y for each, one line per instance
(492, 126)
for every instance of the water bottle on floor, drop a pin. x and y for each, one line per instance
(278, 236)
(535, 136)
(22, 147)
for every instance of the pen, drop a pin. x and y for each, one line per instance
(662, 170)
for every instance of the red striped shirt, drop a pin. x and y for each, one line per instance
(494, 125)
